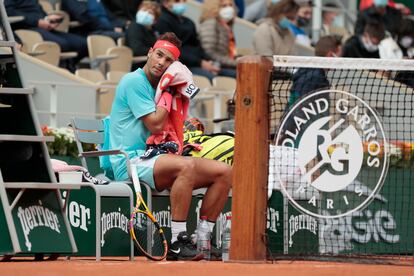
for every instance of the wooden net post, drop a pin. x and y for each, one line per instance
(250, 171)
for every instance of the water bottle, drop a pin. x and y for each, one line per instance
(203, 238)
(225, 240)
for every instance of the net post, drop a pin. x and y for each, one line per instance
(250, 171)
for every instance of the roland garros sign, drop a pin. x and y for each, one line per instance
(341, 157)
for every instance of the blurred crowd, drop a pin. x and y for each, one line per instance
(383, 29)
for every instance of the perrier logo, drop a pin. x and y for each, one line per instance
(36, 216)
(327, 131)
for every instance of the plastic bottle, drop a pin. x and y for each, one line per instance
(225, 239)
(203, 238)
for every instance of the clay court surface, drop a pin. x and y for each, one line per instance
(82, 266)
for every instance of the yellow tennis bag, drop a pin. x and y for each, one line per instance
(217, 146)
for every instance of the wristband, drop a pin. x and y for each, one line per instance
(165, 101)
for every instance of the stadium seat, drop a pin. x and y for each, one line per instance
(244, 51)
(31, 38)
(98, 46)
(123, 62)
(224, 84)
(51, 52)
(46, 6)
(91, 75)
(115, 76)
(106, 91)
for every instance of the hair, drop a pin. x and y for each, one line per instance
(210, 9)
(326, 44)
(151, 5)
(282, 7)
(375, 29)
(171, 37)
(330, 6)
(304, 2)
(406, 28)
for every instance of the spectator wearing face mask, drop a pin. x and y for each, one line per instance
(366, 44)
(216, 33)
(140, 35)
(406, 38)
(302, 20)
(192, 54)
(389, 16)
(273, 36)
(406, 43)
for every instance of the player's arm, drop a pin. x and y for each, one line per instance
(154, 121)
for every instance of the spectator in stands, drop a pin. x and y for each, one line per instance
(330, 24)
(365, 45)
(406, 38)
(36, 19)
(239, 4)
(123, 9)
(364, 4)
(310, 80)
(140, 35)
(94, 18)
(257, 10)
(379, 11)
(193, 55)
(134, 117)
(302, 20)
(307, 80)
(329, 15)
(406, 43)
(273, 36)
(216, 34)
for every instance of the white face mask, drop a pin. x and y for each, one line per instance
(368, 45)
(406, 41)
(145, 18)
(338, 21)
(226, 13)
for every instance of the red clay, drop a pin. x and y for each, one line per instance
(117, 266)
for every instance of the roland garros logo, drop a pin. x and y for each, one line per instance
(339, 143)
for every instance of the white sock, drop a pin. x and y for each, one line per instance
(176, 228)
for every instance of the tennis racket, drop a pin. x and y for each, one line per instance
(145, 230)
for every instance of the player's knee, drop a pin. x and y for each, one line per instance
(187, 167)
(226, 174)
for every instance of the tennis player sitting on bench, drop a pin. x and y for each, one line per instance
(134, 117)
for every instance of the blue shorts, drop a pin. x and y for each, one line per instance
(145, 168)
